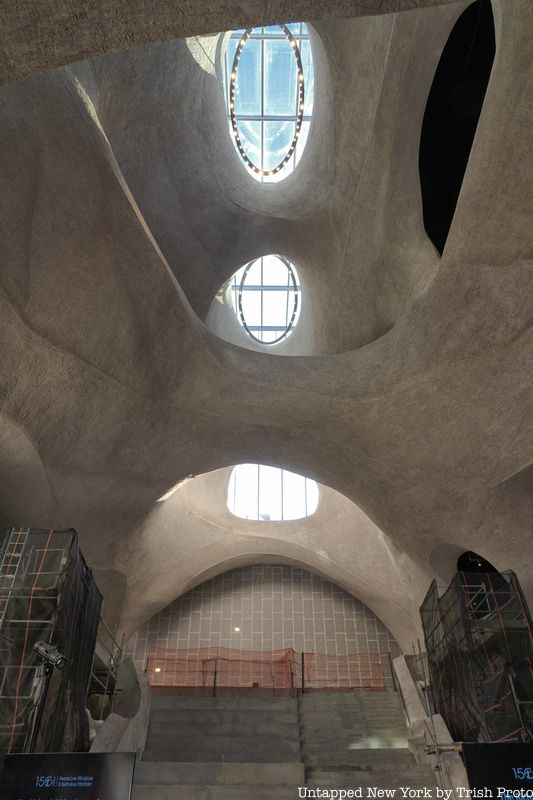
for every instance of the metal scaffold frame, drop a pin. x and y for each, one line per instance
(48, 599)
(479, 640)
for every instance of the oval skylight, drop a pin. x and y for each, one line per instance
(266, 298)
(269, 81)
(270, 494)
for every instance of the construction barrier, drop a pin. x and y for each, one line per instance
(279, 671)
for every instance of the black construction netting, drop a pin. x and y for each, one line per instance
(47, 593)
(479, 645)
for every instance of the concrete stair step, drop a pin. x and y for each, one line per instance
(378, 700)
(254, 756)
(229, 728)
(333, 717)
(385, 781)
(213, 741)
(359, 740)
(362, 758)
(272, 774)
(361, 728)
(177, 702)
(333, 756)
(350, 693)
(195, 792)
(350, 697)
(345, 775)
(346, 711)
(215, 716)
(349, 738)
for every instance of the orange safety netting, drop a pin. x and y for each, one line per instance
(222, 667)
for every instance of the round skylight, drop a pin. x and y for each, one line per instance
(269, 84)
(270, 494)
(266, 298)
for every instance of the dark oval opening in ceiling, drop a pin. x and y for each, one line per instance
(451, 116)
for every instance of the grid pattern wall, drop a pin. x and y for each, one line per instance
(274, 607)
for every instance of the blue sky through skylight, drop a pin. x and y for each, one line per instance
(266, 96)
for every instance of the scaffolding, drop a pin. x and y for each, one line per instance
(104, 674)
(47, 594)
(479, 641)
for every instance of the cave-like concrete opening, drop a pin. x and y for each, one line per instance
(452, 112)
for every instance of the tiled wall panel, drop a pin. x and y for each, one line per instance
(274, 607)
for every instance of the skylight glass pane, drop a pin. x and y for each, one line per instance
(250, 133)
(312, 496)
(307, 63)
(273, 30)
(277, 140)
(243, 491)
(264, 298)
(275, 271)
(295, 28)
(304, 133)
(230, 53)
(248, 86)
(254, 276)
(294, 506)
(270, 494)
(280, 79)
(251, 309)
(266, 82)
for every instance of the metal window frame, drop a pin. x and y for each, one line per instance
(292, 286)
(291, 158)
(233, 492)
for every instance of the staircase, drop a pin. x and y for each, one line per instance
(204, 748)
(351, 739)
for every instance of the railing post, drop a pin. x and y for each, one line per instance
(292, 673)
(215, 678)
(393, 676)
(303, 673)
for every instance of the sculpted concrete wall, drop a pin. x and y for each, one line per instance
(54, 32)
(119, 222)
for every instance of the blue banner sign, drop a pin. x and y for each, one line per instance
(505, 769)
(67, 776)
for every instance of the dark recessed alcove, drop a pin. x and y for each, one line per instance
(451, 116)
(472, 562)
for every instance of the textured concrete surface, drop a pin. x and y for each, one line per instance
(124, 209)
(38, 36)
(126, 729)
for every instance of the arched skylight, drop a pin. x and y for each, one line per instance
(266, 298)
(270, 494)
(269, 85)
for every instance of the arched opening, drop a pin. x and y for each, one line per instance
(451, 116)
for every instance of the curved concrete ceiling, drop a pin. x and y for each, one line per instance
(54, 32)
(120, 221)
